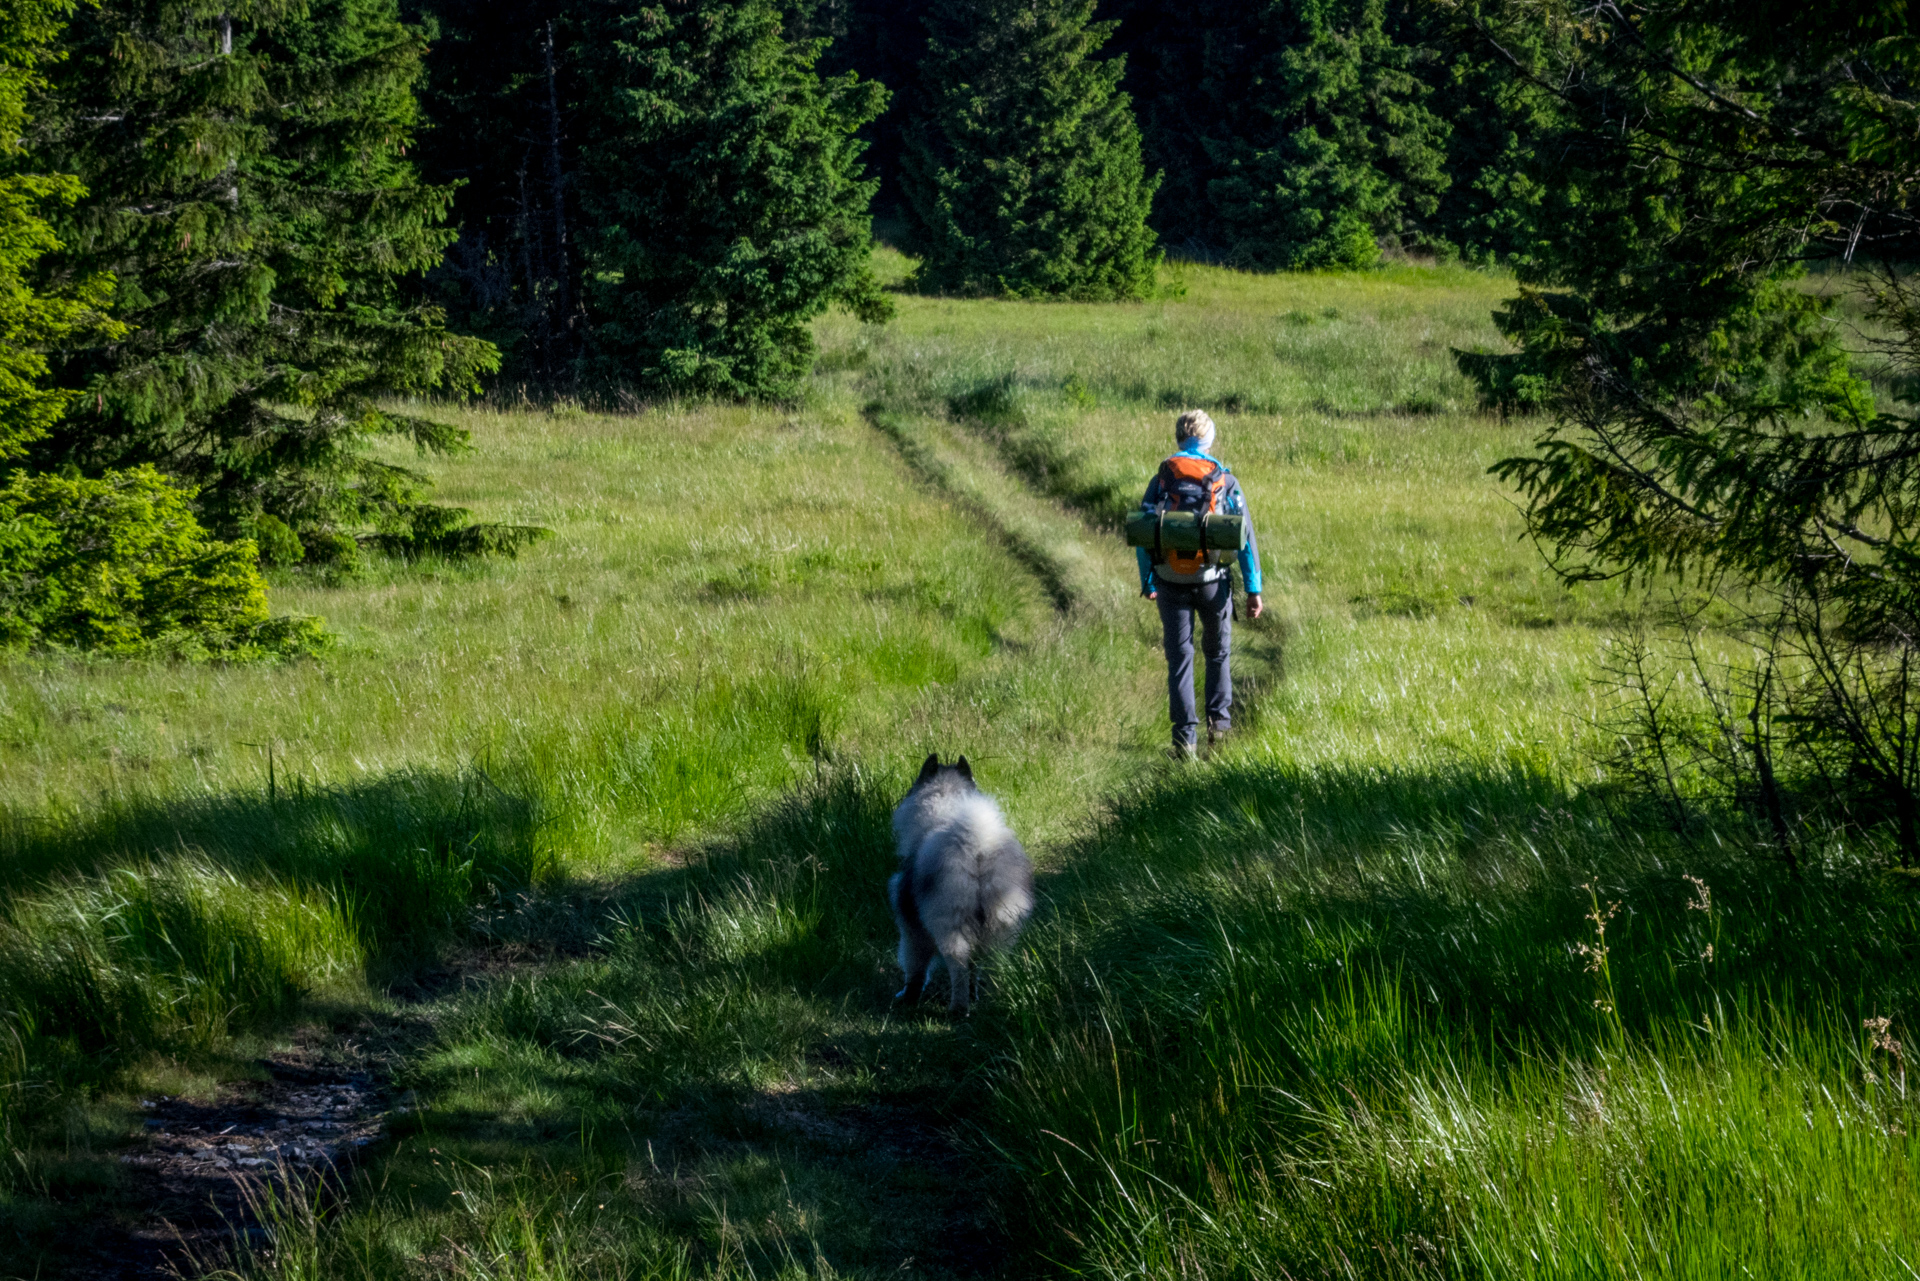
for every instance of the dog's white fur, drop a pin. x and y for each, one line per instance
(965, 885)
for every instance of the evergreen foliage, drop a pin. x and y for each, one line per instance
(1705, 413)
(116, 564)
(883, 40)
(248, 189)
(32, 319)
(722, 195)
(1488, 209)
(119, 565)
(1335, 144)
(1025, 174)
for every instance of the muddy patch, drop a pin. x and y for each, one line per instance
(195, 1175)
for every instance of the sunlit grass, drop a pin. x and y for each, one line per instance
(1315, 1007)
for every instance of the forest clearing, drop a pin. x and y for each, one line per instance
(574, 863)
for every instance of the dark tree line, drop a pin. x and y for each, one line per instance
(1018, 147)
(1303, 132)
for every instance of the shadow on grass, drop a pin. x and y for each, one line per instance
(723, 1070)
(144, 926)
(1477, 887)
(1246, 965)
(727, 1061)
(409, 853)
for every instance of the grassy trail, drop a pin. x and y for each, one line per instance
(827, 1134)
(585, 854)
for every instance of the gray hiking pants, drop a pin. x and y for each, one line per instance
(1180, 605)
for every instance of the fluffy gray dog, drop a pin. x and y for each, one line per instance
(964, 884)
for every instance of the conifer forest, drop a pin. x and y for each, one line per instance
(501, 499)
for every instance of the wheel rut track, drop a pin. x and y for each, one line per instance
(925, 462)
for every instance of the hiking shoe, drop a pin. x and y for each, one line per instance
(1216, 731)
(1183, 752)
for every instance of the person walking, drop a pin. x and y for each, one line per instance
(1199, 587)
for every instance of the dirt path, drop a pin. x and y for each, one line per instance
(190, 1182)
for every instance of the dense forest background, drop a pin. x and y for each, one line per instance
(1292, 135)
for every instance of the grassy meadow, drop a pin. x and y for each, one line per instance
(584, 853)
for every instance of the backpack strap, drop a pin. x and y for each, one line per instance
(1166, 478)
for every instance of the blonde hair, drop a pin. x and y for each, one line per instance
(1194, 425)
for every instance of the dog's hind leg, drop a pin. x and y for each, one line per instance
(960, 974)
(916, 945)
(916, 954)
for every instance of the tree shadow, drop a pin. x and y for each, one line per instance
(409, 852)
(1477, 887)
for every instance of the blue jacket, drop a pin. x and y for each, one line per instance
(1232, 500)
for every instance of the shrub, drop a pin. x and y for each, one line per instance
(120, 565)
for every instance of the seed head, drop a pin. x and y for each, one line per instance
(1702, 900)
(1883, 1036)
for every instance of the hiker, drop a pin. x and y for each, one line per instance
(1198, 586)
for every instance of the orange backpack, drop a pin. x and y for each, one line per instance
(1190, 484)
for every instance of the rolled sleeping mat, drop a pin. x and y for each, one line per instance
(1186, 531)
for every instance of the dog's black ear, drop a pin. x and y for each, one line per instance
(966, 770)
(928, 770)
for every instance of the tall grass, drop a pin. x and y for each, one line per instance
(1439, 1024)
(1383, 989)
(171, 925)
(180, 949)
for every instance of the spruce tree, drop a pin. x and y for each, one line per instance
(33, 319)
(248, 188)
(118, 562)
(1705, 414)
(882, 40)
(1489, 209)
(721, 197)
(1337, 147)
(1025, 174)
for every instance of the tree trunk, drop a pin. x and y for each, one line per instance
(557, 179)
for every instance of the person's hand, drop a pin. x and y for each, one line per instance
(1152, 595)
(1253, 605)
